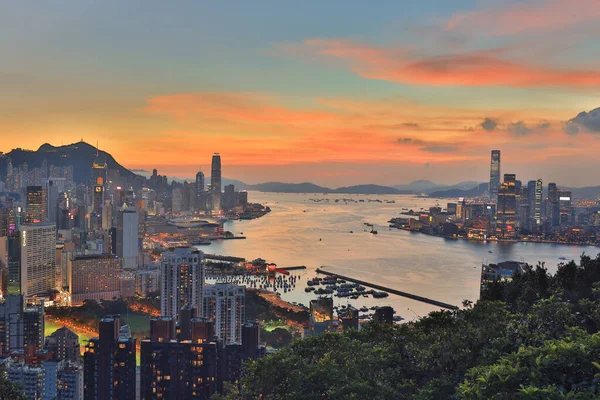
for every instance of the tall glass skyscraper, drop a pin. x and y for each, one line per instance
(200, 193)
(215, 181)
(494, 175)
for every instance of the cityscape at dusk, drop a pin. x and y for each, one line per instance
(310, 92)
(300, 201)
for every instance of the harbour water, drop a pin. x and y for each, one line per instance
(301, 231)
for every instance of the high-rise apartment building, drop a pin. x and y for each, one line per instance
(494, 176)
(36, 205)
(21, 324)
(64, 345)
(182, 280)
(127, 241)
(109, 363)
(173, 368)
(224, 304)
(94, 277)
(38, 259)
(215, 181)
(321, 315)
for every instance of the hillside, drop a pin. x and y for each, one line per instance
(80, 155)
(535, 337)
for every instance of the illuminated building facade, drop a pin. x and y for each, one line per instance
(494, 175)
(21, 324)
(507, 207)
(109, 363)
(182, 280)
(321, 315)
(173, 368)
(38, 259)
(35, 207)
(224, 304)
(95, 277)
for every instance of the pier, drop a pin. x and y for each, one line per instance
(292, 268)
(388, 290)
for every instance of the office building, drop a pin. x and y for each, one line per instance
(110, 364)
(38, 259)
(52, 191)
(99, 175)
(95, 277)
(177, 369)
(553, 209)
(200, 192)
(321, 316)
(127, 242)
(177, 200)
(494, 176)
(567, 212)
(229, 197)
(182, 280)
(21, 324)
(215, 182)
(507, 207)
(224, 304)
(64, 345)
(36, 205)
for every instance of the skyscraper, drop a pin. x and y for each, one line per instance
(38, 259)
(225, 305)
(494, 175)
(215, 181)
(109, 363)
(553, 210)
(507, 207)
(200, 191)
(127, 242)
(182, 272)
(229, 197)
(35, 207)
(99, 172)
(537, 204)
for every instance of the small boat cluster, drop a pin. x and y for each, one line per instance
(341, 288)
(280, 283)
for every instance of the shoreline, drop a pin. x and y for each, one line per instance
(499, 240)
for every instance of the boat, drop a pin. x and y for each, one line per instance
(489, 251)
(562, 258)
(373, 231)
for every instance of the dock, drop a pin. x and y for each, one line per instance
(389, 290)
(293, 268)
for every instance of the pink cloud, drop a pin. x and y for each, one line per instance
(475, 68)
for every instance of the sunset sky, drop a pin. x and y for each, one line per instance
(332, 92)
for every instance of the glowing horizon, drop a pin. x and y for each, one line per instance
(358, 95)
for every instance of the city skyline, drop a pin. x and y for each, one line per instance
(361, 95)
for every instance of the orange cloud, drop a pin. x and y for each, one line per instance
(475, 68)
(540, 16)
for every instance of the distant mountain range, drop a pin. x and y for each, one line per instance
(81, 155)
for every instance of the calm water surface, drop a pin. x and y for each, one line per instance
(299, 231)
